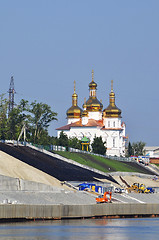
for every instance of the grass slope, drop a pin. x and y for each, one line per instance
(103, 164)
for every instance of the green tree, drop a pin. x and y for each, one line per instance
(35, 116)
(3, 117)
(54, 140)
(9, 122)
(138, 148)
(44, 138)
(17, 118)
(40, 118)
(98, 145)
(63, 140)
(74, 143)
(14, 124)
(130, 150)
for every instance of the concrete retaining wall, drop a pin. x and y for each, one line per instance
(16, 184)
(76, 211)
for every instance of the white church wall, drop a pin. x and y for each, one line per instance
(113, 138)
(84, 120)
(112, 122)
(95, 115)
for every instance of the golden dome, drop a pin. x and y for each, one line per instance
(74, 95)
(93, 104)
(74, 111)
(112, 111)
(92, 84)
(84, 113)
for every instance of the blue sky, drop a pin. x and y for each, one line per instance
(46, 45)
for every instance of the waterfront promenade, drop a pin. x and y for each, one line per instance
(28, 193)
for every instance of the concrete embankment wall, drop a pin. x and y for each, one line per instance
(76, 211)
(16, 184)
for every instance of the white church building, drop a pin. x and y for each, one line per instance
(93, 121)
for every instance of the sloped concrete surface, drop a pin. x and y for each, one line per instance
(24, 184)
(46, 198)
(12, 167)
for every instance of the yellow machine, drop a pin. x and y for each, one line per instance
(140, 188)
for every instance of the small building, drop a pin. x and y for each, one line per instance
(153, 153)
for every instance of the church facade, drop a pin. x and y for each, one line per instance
(93, 121)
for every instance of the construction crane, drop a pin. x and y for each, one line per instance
(11, 95)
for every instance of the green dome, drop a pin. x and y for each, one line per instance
(85, 139)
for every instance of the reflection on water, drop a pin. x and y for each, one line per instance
(90, 229)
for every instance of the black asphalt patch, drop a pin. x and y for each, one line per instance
(59, 169)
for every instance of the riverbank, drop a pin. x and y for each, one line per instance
(28, 193)
(47, 212)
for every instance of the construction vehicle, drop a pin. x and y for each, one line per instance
(143, 189)
(140, 188)
(106, 198)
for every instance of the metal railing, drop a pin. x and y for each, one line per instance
(69, 149)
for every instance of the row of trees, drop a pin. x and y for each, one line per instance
(136, 149)
(64, 141)
(35, 116)
(97, 145)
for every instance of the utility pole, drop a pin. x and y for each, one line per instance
(23, 131)
(11, 95)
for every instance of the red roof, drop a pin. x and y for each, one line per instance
(111, 128)
(91, 123)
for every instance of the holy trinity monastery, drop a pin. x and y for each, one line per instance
(93, 121)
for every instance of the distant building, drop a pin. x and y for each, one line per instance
(151, 151)
(93, 121)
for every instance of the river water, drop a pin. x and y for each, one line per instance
(89, 229)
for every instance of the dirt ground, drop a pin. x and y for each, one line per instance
(147, 181)
(134, 179)
(12, 167)
(130, 179)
